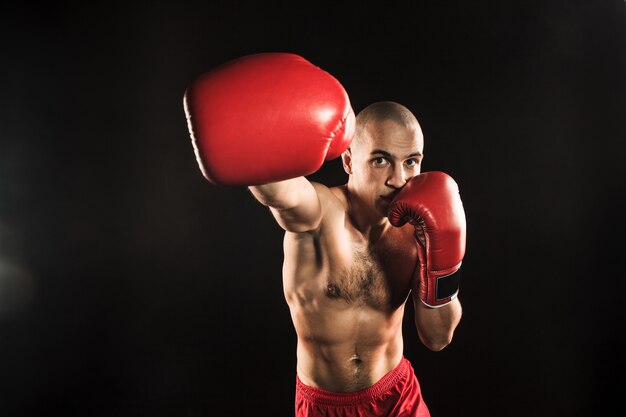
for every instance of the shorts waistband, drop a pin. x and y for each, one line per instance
(324, 397)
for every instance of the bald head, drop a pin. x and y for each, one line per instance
(382, 111)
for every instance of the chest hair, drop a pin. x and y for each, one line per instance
(363, 281)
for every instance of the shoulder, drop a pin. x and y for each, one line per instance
(331, 198)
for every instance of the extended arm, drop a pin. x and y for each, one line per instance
(265, 121)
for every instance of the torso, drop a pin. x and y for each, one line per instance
(346, 296)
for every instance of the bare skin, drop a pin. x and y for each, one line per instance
(347, 272)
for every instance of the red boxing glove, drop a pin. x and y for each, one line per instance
(266, 117)
(431, 203)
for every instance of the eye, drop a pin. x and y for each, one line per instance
(380, 161)
(412, 162)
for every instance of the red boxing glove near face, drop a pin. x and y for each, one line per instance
(431, 202)
(266, 117)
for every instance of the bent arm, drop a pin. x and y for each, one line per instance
(294, 203)
(435, 326)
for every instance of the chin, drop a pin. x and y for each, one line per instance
(382, 208)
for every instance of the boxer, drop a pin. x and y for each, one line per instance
(353, 254)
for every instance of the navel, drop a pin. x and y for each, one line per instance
(355, 359)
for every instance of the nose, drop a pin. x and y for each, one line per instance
(397, 177)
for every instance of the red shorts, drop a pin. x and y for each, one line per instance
(397, 394)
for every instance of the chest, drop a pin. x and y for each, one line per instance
(378, 275)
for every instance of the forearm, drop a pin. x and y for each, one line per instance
(281, 195)
(435, 326)
(294, 203)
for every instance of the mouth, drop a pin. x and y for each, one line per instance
(388, 198)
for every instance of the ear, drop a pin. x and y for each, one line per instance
(346, 159)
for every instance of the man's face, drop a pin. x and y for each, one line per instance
(385, 158)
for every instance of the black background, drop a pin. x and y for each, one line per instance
(130, 286)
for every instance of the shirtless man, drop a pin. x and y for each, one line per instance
(348, 271)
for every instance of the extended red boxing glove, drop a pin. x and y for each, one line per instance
(266, 117)
(432, 204)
